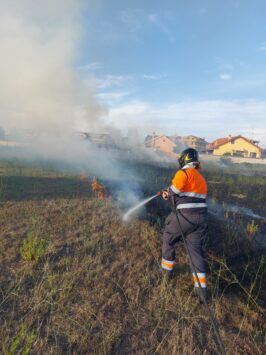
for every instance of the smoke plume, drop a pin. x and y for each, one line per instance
(44, 102)
(42, 99)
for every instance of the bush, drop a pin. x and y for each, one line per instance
(32, 249)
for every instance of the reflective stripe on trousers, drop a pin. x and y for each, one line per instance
(191, 205)
(202, 279)
(167, 264)
(192, 194)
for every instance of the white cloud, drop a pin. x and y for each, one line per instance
(154, 76)
(210, 119)
(262, 47)
(90, 66)
(225, 76)
(155, 19)
(113, 80)
(112, 97)
(224, 69)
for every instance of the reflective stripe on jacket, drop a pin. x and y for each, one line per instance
(189, 188)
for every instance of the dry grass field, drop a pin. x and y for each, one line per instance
(76, 280)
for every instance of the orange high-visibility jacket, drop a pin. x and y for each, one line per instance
(189, 188)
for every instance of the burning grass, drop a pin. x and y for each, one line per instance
(98, 288)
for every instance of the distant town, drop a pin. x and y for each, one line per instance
(231, 146)
(234, 146)
(237, 146)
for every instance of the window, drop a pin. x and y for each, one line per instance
(239, 153)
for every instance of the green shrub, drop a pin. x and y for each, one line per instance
(22, 343)
(252, 229)
(32, 248)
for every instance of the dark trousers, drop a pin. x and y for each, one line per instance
(194, 228)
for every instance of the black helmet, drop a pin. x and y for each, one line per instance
(188, 155)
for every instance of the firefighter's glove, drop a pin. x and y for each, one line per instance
(165, 194)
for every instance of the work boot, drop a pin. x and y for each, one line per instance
(202, 293)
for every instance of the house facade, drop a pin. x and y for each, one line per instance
(236, 146)
(161, 143)
(172, 145)
(195, 142)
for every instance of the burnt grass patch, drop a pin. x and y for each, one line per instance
(98, 288)
(24, 188)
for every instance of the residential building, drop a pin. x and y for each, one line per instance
(162, 143)
(195, 142)
(172, 145)
(236, 146)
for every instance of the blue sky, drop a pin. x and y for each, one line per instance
(195, 47)
(174, 66)
(154, 61)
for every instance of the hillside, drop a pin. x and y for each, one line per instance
(97, 287)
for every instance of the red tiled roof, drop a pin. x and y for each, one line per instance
(221, 141)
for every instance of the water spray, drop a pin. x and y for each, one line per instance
(127, 215)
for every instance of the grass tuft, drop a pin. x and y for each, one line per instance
(33, 249)
(22, 342)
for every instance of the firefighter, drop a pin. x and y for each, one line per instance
(188, 194)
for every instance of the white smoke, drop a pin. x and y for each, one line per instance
(40, 91)
(218, 210)
(43, 100)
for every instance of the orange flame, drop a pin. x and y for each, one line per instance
(98, 189)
